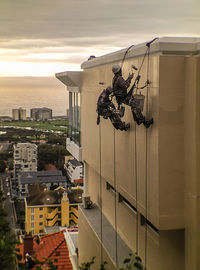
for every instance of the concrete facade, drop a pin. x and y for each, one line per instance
(146, 181)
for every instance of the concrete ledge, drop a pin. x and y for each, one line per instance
(164, 45)
(93, 217)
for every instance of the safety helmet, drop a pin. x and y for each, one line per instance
(109, 88)
(116, 68)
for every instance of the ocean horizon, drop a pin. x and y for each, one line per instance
(30, 92)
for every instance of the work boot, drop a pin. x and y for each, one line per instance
(121, 112)
(127, 127)
(148, 123)
(98, 120)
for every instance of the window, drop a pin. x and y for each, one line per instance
(41, 231)
(41, 216)
(74, 127)
(41, 208)
(25, 166)
(32, 210)
(32, 218)
(32, 225)
(40, 223)
(144, 221)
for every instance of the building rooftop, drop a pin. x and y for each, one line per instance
(42, 109)
(75, 195)
(41, 177)
(164, 45)
(53, 247)
(75, 162)
(51, 197)
(48, 197)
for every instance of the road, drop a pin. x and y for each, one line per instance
(8, 204)
(3, 146)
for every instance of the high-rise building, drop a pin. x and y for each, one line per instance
(15, 114)
(41, 113)
(25, 158)
(144, 182)
(19, 114)
(22, 114)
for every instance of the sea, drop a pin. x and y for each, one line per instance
(33, 95)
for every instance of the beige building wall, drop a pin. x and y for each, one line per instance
(155, 170)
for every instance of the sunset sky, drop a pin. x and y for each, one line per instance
(42, 37)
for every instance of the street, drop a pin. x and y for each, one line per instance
(8, 204)
(3, 146)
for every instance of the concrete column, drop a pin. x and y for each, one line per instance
(192, 159)
(70, 108)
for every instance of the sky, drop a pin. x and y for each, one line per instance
(39, 38)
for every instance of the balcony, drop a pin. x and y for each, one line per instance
(74, 211)
(52, 214)
(53, 221)
(74, 149)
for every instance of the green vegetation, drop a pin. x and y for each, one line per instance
(59, 125)
(2, 166)
(51, 154)
(7, 241)
(130, 263)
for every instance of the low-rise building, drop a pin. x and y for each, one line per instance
(52, 247)
(74, 169)
(48, 178)
(51, 208)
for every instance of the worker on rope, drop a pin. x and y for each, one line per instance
(120, 86)
(106, 109)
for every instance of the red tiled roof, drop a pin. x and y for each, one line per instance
(78, 181)
(53, 247)
(50, 167)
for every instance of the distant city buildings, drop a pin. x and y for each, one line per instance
(19, 114)
(25, 158)
(41, 113)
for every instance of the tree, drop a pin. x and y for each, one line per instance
(2, 166)
(7, 241)
(51, 154)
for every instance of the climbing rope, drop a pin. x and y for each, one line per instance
(146, 175)
(136, 191)
(115, 187)
(125, 55)
(100, 201)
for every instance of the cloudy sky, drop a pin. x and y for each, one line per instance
(42, 37)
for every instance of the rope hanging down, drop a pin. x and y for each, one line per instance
(115, 187)
(146, 176)
(100, 199)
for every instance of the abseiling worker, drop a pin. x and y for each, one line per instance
(122, 95)
(106, 109)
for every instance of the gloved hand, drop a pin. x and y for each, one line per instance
(148, 82)
(130, 76)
